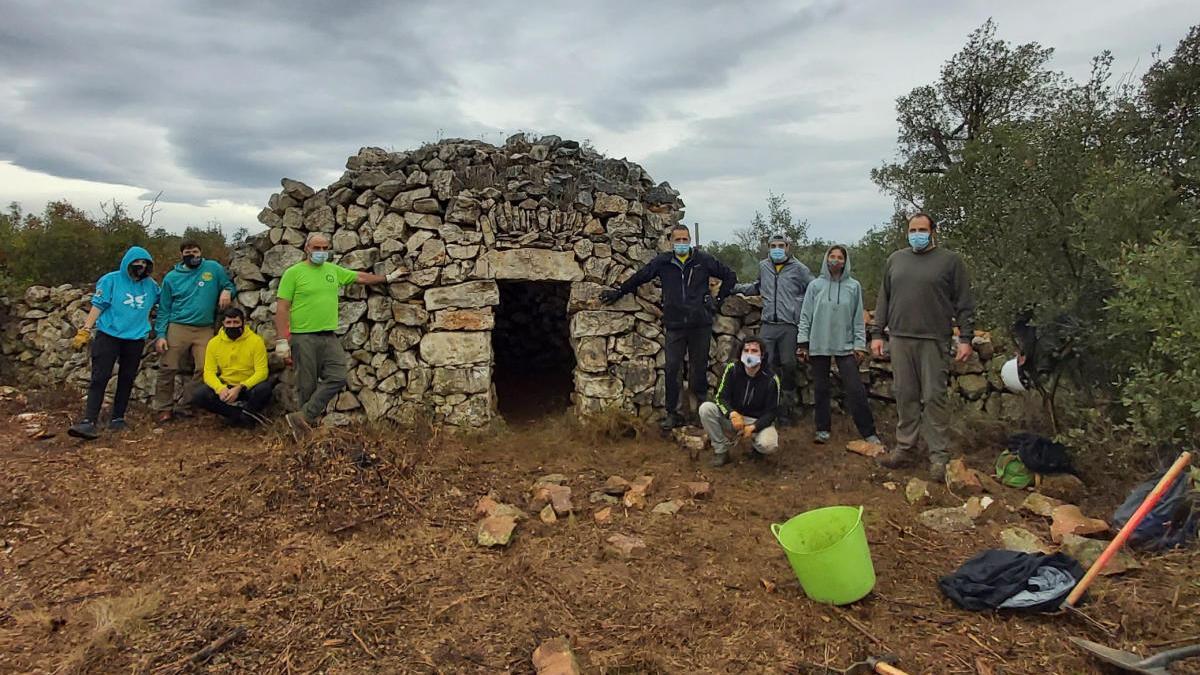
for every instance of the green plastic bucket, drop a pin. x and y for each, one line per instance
(828, 551)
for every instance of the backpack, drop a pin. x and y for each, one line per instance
(1171, 523)
(1011, 471)
(1040, 454)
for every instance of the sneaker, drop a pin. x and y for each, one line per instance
(84, 429)
(117, 424)
(719, 459)
(671, 421)
(937, 471)
(821, 437)
(755, 456)
(895, 459)
(874, 439)
(300, 427)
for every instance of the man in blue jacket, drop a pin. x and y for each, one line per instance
(191, 294)
(782, 281)
(688, 308)
(120, 317)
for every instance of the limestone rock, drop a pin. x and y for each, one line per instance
(554, 657)
(456, 349)
(532, 263)
(1020, 539)
(1041, 505)
(1068, 519)
(865, 448)
(1063, 486)
(917, 491)
(615, 485)
(465, 295)
(598, 323)
(495, 531)
(699, 489)
(278, 258)
(667, 508)
(960, 479)
(1087, 551)
(626, 546)
(464, 319)
(946, 520)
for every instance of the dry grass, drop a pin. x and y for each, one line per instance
(109, 621)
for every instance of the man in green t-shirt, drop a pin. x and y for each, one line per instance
(306, 317)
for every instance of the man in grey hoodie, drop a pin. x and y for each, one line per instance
(782, 281)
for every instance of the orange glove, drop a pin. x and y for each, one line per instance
(81, 339)
(735, 417)
(747, 431)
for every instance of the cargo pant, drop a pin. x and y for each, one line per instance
(720, 429)
(321, 365)
(182, 340)
(780, 339)
(921, 372)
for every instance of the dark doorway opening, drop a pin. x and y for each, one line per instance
(535, 364)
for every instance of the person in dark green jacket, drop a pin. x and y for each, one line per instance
(833, 329)
(191, 294)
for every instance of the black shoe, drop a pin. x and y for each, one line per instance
(671, 421)
(719, 459)
(84, 429)
(117, 424)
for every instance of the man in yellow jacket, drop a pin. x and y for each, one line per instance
(235, 372)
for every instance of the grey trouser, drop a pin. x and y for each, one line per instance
(780, 339)
(921, 368)
(320, 371)
(719, 429)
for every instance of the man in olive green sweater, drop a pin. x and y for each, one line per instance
(923, 288)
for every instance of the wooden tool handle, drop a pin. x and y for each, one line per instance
(885, 669)
(1148, 503)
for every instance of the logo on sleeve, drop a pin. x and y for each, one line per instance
(329, 278)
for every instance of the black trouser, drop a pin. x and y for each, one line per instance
(253, 399)
(852, 387)
(694, 343)
(108, 351)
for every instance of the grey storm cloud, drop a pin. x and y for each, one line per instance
(212, 101)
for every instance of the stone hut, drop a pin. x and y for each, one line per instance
(508, 249)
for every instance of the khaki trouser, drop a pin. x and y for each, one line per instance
(182, 340)
(720, 428)
(921, 372)
(321, 365)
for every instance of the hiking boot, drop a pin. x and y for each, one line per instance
(164, 417)
(755, 456)
(671, 421)
(118, 424)
(300, 427)
(895, 459)
(937, 471)
(821, 437)
(84, 429)
(719, 459)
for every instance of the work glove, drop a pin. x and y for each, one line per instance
(610, 295)
(283, 349)
(802, 352)
(860, 356)
(81, 339)
(737, 420)
(394, 276)
(748, 431)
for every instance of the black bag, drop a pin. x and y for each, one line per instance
(1171, 523)
(1040, 454)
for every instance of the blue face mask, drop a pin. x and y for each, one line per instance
(919, 241)
(319, 257)
(778, 255)
(682, 250)
(751, 360)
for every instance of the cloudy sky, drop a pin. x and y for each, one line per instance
(213, 102)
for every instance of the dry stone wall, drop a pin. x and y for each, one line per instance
(463, 217)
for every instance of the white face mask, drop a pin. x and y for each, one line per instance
(751, 360)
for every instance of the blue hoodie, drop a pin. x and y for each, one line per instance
(831, 320)
(125, 302)
(189, 296)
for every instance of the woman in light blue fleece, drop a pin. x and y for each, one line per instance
(833, 329)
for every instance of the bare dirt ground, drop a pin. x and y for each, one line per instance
(358, 555)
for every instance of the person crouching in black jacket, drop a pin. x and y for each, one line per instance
(747, 405)
(688, 309)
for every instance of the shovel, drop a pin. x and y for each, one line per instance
(1155, 664)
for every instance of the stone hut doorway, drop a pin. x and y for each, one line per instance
(534, 363)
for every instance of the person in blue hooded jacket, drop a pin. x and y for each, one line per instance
(833, 329)
(120, 321)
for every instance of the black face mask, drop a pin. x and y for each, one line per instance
(139, 271)
(234, 333)
(192, 261)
